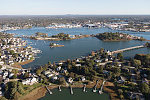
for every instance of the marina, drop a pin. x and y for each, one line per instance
(95, 87)
(101, 89)
(78, 95)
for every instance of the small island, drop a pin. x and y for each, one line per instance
(57, 37)
(109, 36)
(52, 45)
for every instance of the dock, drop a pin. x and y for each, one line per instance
(59, 88)
(126, 49)
(94, 90)
(84, 88)
(71, 90)
(101, 89)
(49, 91)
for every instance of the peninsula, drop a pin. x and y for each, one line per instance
(57, 37)
(109, 36)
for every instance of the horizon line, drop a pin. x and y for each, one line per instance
(68, 14)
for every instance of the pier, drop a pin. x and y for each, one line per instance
(101, 89)
(59, 88)
(71, 90)
(126, 49)
(84, 88)
(94, 90)
(49, 91)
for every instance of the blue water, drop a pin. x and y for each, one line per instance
(80, 47)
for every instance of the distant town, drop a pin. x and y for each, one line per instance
(122, 23)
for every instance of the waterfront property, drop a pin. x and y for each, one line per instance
(99, 64)
(78, 95)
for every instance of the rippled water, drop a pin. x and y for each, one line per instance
(80, 47)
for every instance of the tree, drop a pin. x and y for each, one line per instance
(14, 76)
(120, 56)
(144, 88)
(120, 91)
(101, 50)
(116, 71)
(3, 98)
(49, 63)
(100, 69)
(10, 90)
(15, 71)
(136, 63)
(62, 80)
(121, 97)
(0, 66)
(38, 71)
(16, 96)
(12, 52)
(26, 75)
(20, 88)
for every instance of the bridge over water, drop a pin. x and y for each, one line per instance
(126, 49)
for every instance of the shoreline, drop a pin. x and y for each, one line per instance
(55, 39)
(56, 46)
(41, 91)
(19, 64)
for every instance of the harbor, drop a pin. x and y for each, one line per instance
(86, 45)
(78, 95)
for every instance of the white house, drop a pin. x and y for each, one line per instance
(29, 81)
(70, 80)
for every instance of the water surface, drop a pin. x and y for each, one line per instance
(78, 95)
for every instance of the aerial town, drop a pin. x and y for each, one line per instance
(123, 24)
(75, 50)
(104, 71)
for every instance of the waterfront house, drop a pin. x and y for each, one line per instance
(59, 68)
(98, 61)
(29, 81)
(11, 75)
(78, 65)
(47, 72)
(54, 78)
(83, 79)
(70, 80)
(50, 75)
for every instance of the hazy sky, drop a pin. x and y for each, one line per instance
(60, 7)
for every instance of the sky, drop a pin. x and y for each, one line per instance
(81, 7)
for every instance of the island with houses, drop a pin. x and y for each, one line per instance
(57, 37)
(109, 36)
(52, 45)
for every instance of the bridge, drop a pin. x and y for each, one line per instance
(126, 49)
